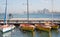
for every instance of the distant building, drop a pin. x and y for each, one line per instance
(45, 10)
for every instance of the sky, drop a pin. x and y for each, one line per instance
(20, 6)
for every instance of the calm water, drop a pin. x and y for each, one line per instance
(17, 33)
(33, 15)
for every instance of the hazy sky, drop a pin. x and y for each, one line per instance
(19, 6)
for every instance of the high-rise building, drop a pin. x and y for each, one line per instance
(45, 10)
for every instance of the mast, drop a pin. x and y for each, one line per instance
(5, 18)
(28, 11)
(52, 10)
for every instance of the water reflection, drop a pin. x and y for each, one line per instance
(43, 34)
(1, 35)
(17, 33)
(8, 34)
(55, 33)
(28, 34)
(50, 34)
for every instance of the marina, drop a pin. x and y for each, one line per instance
(28, 22)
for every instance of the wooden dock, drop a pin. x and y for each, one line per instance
(31, 20)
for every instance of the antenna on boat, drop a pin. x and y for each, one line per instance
(5, 18)
(52, 10)
(28, 11)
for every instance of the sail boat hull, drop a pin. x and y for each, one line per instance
(55, 26)
(52, 25)
(27, 27)
(43, 27)
(6, 28)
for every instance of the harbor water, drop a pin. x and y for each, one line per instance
(31, 15)
(18, 33)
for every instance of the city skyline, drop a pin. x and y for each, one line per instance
(19, 6)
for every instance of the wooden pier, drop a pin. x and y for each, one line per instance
(31, 20)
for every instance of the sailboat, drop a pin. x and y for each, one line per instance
(53, 25)
(6, 27)
(47, 26)
(27, 26)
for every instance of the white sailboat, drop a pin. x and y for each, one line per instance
(6, 27)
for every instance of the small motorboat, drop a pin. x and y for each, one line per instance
(6, 28)
(27, 27)
(42, 27)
